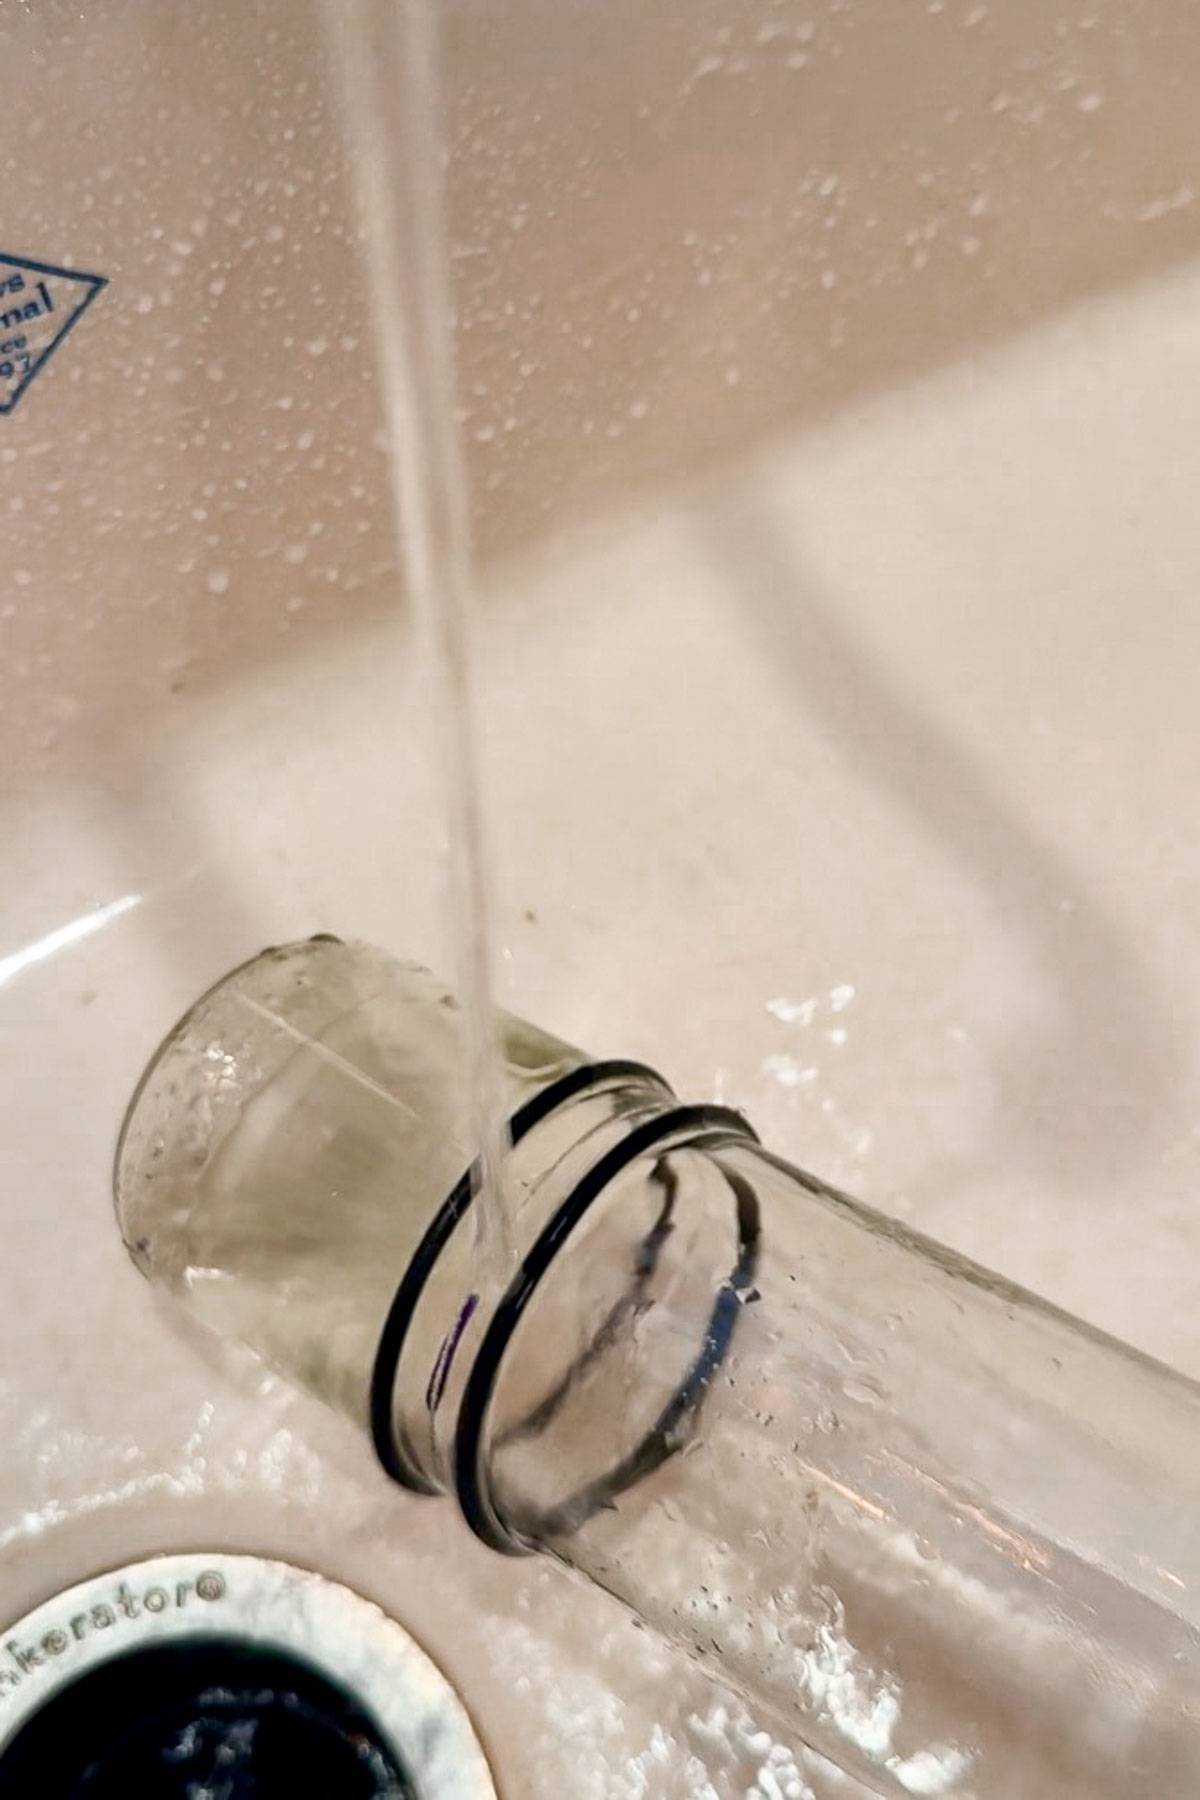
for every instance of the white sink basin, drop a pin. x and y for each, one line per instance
(828, 383)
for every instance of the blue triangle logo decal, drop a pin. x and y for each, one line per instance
(39, 305)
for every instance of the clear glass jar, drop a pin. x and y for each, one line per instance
(943, 1532)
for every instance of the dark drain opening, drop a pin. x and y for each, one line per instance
(202, 1719)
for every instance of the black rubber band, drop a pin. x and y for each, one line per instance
(677, 1420)
(712, 1122)
(392, 1453)
(645, 1264)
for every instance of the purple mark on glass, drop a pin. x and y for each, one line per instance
(445, 1356)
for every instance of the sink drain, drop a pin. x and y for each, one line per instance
(229, 1677)
(217, 1719)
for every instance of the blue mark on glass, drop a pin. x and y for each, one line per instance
(39, 305)
(445, 1356)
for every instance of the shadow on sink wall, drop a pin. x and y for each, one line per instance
(1086, 1093)
(676, 232)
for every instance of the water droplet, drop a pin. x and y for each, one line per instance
(793, 1012)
